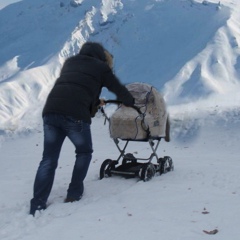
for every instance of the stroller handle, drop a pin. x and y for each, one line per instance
(120, 102)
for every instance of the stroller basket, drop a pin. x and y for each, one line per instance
(147, 121)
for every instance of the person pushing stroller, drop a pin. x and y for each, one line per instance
(67, 113)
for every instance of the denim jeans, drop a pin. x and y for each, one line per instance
(56, 128)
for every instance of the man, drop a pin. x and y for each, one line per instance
(67, 113)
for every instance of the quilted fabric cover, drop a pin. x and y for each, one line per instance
(127, 123)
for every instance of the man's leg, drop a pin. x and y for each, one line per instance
(53, 140)
(80, 135)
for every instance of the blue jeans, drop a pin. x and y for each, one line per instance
(56, 128)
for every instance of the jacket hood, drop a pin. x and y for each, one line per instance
(93, 49)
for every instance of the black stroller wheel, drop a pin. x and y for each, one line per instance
(147, 172)
(105, 170)
(166, 164)
(170, 165)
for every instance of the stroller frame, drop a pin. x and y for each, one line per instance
(130, 166)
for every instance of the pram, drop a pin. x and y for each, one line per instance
(147, 121)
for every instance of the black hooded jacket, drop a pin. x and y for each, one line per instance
(80, 83)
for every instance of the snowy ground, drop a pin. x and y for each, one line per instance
(189, 50)
(201, 194)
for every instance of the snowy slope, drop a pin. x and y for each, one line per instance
(202, 193)
(5, 3)
(189, 50)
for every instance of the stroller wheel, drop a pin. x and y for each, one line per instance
(170, 163)
(105, 170)
(147, 172)
(166, 164)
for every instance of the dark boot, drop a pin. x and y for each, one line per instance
(36, 206)
(71, 199)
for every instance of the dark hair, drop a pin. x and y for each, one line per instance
(93, 49)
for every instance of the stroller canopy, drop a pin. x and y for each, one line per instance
(127, 124)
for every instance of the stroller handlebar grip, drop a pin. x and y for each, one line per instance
(120, 102)
(113, 101)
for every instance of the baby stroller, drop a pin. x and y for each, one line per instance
(147, 121)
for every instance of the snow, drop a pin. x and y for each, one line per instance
(5, 3)
(189, 50)
(171, 206)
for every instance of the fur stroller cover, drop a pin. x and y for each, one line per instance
(127, 124)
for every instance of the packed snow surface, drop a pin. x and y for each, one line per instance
(189, 50)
